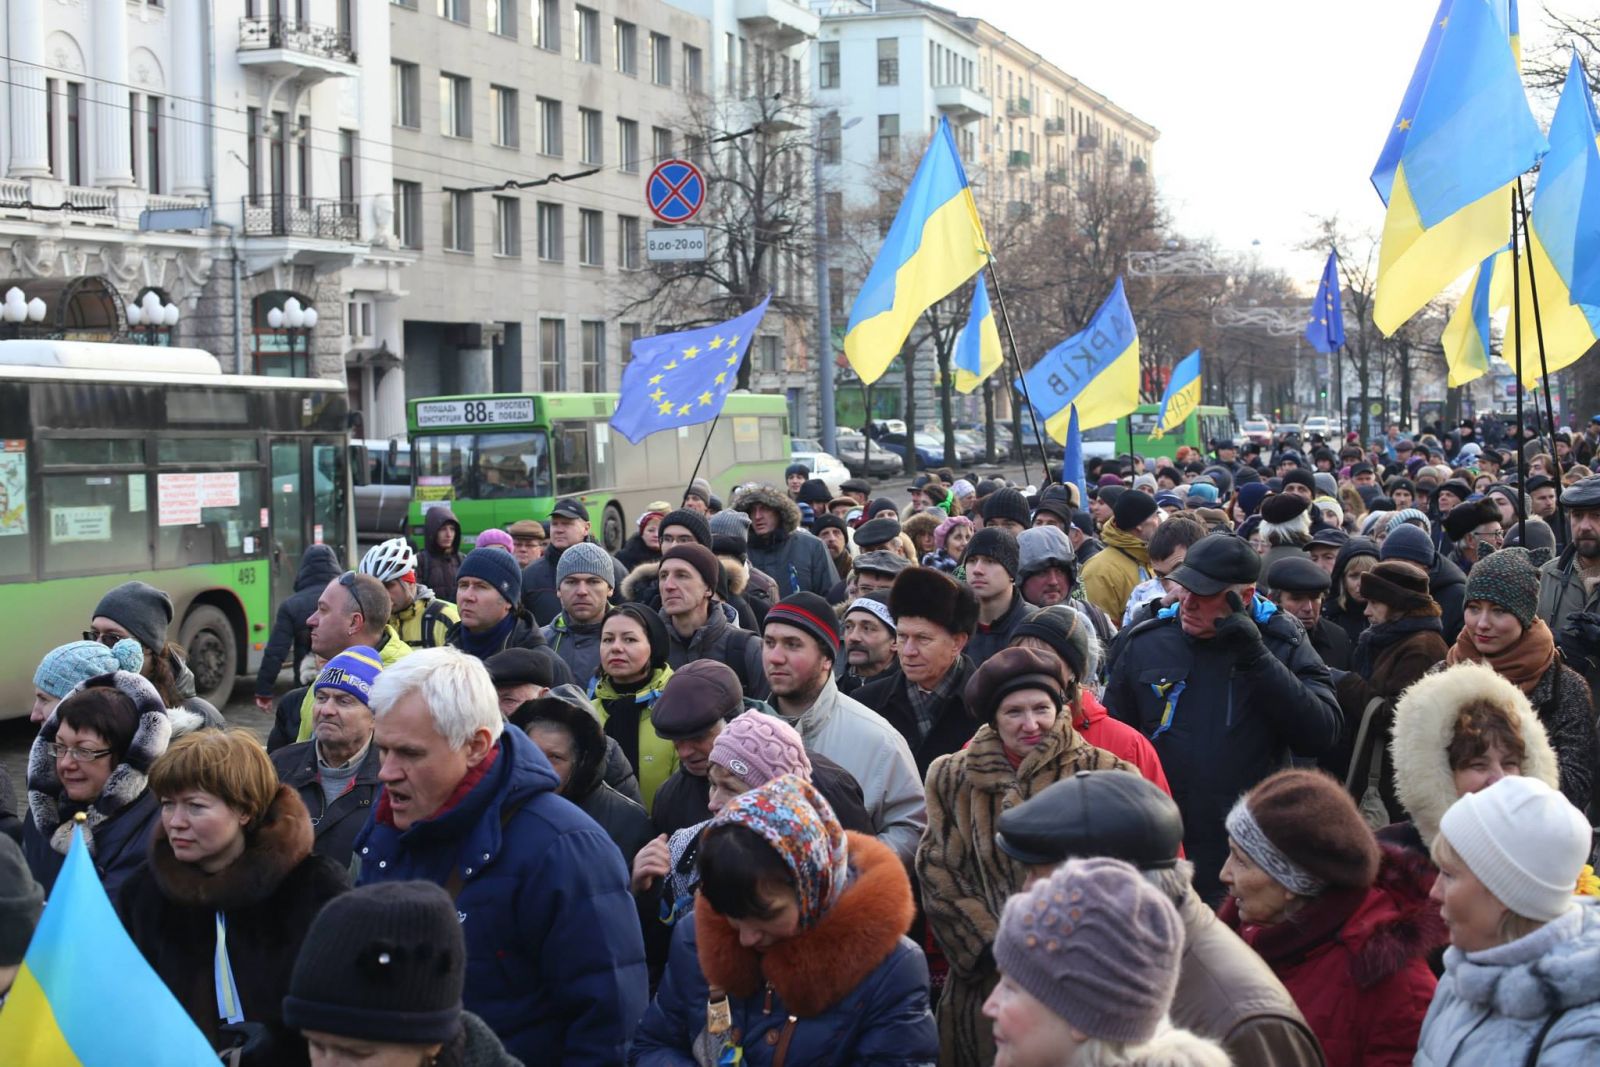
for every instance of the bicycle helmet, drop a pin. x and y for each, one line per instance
(389, 561)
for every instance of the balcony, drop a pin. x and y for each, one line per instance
(1114, 153)
(780, 23)
(1055, 126)
(286, 47)
(1137, 167)
(1088, 142)
(296, 216)
(1019, 106)
(961, 104)
(1019, 159)
(1056, 176)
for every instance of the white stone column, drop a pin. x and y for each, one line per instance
(186, 137)
(30, 144)
(113, 150)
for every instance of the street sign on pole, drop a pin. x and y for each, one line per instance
(675, 244)
(675, 191)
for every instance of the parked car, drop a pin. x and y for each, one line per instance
(382, 503)
(1318, 424)
(929, 449)
(1029, 443)
(851, 448)
(824, 465)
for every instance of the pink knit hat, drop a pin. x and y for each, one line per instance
(493, 537)
(941, 533)
(758, 748)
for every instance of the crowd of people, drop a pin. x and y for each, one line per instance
(1270, 759)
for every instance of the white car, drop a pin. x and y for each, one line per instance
(823, 465)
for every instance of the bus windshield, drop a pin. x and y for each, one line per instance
(483, 466)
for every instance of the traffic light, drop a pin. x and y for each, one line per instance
(1323, 393)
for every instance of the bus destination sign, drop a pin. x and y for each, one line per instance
(488, 411)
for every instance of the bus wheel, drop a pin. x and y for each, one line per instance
(212, 651)
(611, 529)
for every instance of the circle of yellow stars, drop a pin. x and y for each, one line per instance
(665, 404)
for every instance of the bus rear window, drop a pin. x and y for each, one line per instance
(91, 451)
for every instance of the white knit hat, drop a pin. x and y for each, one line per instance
(1524, 841)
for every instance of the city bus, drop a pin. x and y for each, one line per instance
(1204, 424)
(498, 458)
(121, 462)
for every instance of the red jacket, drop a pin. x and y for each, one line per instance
(1118, 738)
(1356, 962)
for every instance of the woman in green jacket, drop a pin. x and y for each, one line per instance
(633, 672)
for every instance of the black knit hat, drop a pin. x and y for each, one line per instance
(1131, 509)
(925, 593)
(21, 900)
(655, 629)
(815, 492)
(1007, 503)
(1300, 476)
(385, 962)
(692, 521)
(998, 545)
(811, 613)
(498, 568)
(1064, 630)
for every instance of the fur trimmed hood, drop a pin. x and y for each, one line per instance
(788, 511)
(279, 841)
(737, 572)
(1425, 722)
(818, 968)
(158, 725)
(640, 579)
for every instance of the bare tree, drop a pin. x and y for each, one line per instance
(1546, 69)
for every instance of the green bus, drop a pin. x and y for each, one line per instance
(498, 458)
(122, 462)
(1204, 424)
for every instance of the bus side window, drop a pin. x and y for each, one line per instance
(95, 523)
(572, 459)
(220, 534)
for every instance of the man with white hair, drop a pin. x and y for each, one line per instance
(555, 959)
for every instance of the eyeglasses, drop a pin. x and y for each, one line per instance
(106, 638)
(77, 752)
(1495, 534)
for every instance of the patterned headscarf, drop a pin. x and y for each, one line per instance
(791, 816)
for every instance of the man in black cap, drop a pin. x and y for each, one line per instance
(1475, 529)
(877, 570)
(1541, 490)
(1110, 578)
(1225, 689)
(1007, 509)
(1569, 585)
(1226, 991)
(1226, 452)
(858, 488)
(569, 525)
(1055, 508)
(991, 561)
(523, 674)
(1298, 588)
(1082, 535)
(1323, 548)
(690, 712)
(874, 534)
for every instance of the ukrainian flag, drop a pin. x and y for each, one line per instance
(1183, 395)
(85, 995)
(1466, 337)
(1462, 135)
(935, 244)
(978, 343)
(1095, 371)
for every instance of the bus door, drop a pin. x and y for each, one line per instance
(310, 504)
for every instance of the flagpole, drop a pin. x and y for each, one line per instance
(1016, 361)
(1516, 321)
(1544, 371)
(702, 458)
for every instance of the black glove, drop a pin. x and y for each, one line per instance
(255, 1043)
(1580, 637)
(1239, 634)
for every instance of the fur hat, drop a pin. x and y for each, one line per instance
(1464, 518)
(924, 593)
(1282, 508)
(1425, 724)
(1304, 830)
(1401, 585)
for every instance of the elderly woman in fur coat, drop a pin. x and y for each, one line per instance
(1026, 743)
(230, 890)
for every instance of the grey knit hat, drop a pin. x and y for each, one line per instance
(139, 608)
(585, 557)
(1507, 578)
(21, 900)
(1096, 944)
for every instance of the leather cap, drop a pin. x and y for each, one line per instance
(1116, 814)
(1216, 562)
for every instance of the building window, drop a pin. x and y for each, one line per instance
(591, 238)
(347, 168)
(302, 160)
(454, 10)
(629, 254)
(888, 137)
(828, 141)
(551, 244)
(625, 42)
(549, 127)
(547, 25)
(507, 226)
(836, 306)
(457, 221)
(888, 61)
(552, 353)
(728, 58)
(660, 59)
(252, 145)
(152, 143)
(694, 150)
(828, 64)
(503, 103)
(693, 77)
(592, 356)
(503, 17)
(455, 105)
(405, 94)
(592, 143)
(833, 211)
(586, 25)
(629, 332)
(408, 213)
(660, 144)
(771, 353)
(628, 145)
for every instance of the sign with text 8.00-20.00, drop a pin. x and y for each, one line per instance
(490, 411)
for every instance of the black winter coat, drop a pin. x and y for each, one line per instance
(337, 822)
(953, 725)
(539, 585)
(1448, 587)
(436, 569)
(269, 895)
(683, 800)
(290, 635)
(997, 635)
(1331, 643)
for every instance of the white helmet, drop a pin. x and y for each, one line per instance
(389, 561)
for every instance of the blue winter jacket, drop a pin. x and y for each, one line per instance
(555, 959)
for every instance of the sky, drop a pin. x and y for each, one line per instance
(1271, 112)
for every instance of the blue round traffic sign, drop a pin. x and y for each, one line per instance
(676, 190)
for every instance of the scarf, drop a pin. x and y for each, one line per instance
(1523, 664)
(1374, 640)
(791, 816)
(491, 641)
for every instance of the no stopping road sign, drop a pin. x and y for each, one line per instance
(676, 190)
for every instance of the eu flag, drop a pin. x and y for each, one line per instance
(680, 379)
(1325, 331)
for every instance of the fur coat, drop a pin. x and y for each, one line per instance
(269, 895)
(966, 879)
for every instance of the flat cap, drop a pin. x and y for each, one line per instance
(1584, 493)
(1216, 562)
(1117, 814)
(696, 696)
(877, 532)
(1297, 574)
(880, 562)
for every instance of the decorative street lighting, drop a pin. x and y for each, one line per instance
(18, 310)
(293, 320)
(153, 319)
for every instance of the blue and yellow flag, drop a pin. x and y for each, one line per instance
(978, 344)
(1072, 460)
(85, 995)
(680, 379)
(1325, 331)
(1462, 134)
(1096, 371)
(1466, 337)
(1183, 395)
(935, 244)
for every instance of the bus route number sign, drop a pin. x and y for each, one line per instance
(490, 411)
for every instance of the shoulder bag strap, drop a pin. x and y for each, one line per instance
(1539, 1038)
(1358, 754)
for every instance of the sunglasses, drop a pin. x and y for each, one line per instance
(100, 637)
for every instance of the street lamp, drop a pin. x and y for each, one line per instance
(16, 310)
(295, 321)
(153, 318)
(825, 399)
